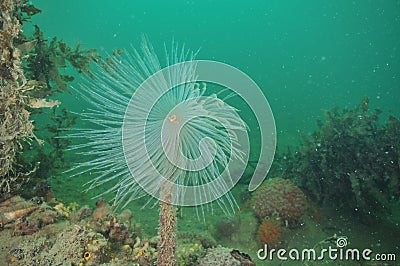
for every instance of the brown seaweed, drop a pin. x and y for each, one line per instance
(351, 162)
(30, 72)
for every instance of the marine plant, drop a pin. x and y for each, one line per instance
(46, 59)
(60, 120)
(44, 65)
(351, 162)
(29, 74)
(148, 137)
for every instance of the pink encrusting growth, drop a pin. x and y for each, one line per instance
(282, 197)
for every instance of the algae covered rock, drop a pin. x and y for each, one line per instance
(73, 246)
(279, 196)
(219, 256)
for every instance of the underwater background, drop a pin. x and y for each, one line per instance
(308, 57)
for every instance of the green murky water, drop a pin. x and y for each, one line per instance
(306, 56)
